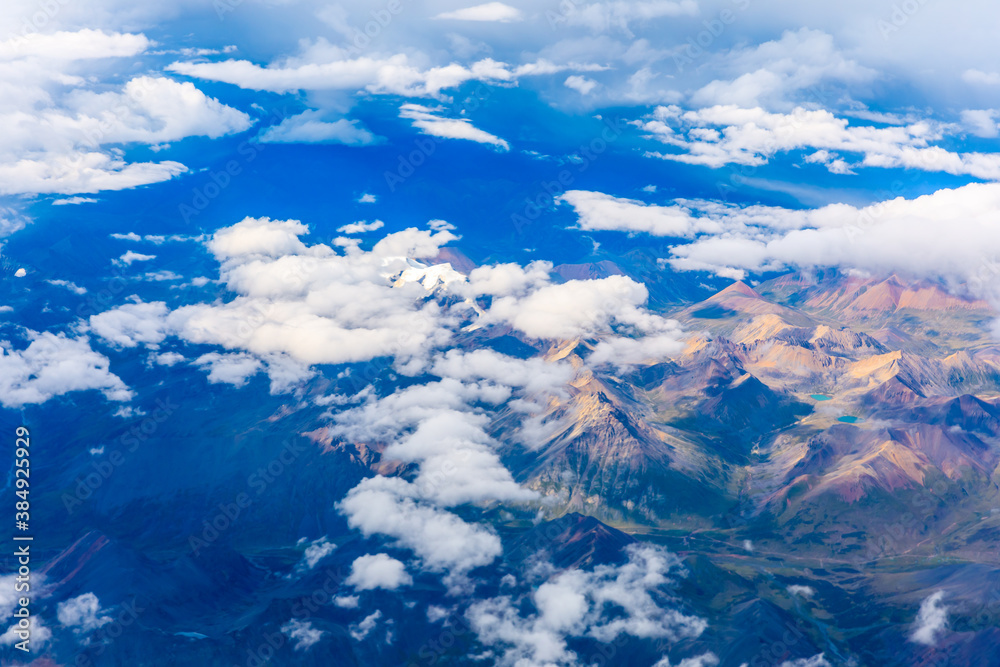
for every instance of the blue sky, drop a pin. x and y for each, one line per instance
(779, 105)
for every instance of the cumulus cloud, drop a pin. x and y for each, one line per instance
(316, 551)
(576, 603)
(728, 134)
(437, 426)
(802, 591)
(81, 172)
(442, 540)
(309, 127)
(580, 84)
(73, 45)
(155, 110)
(40, 634)
(299, 305)
(71, 286)
(58, 121)
(982, 122)
(361, 227)
(426, 119)
(612, 305)
(131, 257)
(327, 69)
(366, 304)
(9, 596)
(302, 634)
(361, 630)
(132, 324)
(73, 200)
(490, 11)
(597, 211)
(533, 375)
(378, 571)
(234, 369)
(53, 365)
(932, 620)
(82, 613)
(950, 234)
(772, 72)
(258, 236)
(167, 359)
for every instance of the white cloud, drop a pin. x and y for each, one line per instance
(775, 71)
(234, 369)
(72, 287)
(132, 324)
(361, 227)
(490, 11)
(600, 212)
(435, 426)
(950, 234)
(298, 305)
(309, 127)
(720, 135)
(130, 257)
(53, 365)
(802, 591)
(581, 84)
(327, 68)
(74, 200)
(576, 603)
(75, 45)
(153, 110)
(932, 620)
(982, 122)
(258, 236)
(578, 308)
(442, 540)
(316, 551)
(426, 120)
(980, 77)
(360, 630)
(302, 633)
(534, 375)
(378, 571)
(290, 296)
(9, 597)
(39, 634)
(367, 198)
(168, 359)
(441, 226)
(81, 172)
(59, 121)
(82, 613)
